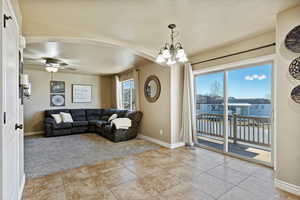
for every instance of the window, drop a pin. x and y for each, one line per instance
(128, 95)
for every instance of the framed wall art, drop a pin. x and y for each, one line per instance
(57, 87)
(295, 94)
(292, 40)
(81, 93)
(152, 88)
(294, 68)
(57, 100)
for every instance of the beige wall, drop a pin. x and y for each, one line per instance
(165, 113)
(106, 94)
(126, 75)
(156, 115)
(288, 112)
(40, 99)
(263, 39)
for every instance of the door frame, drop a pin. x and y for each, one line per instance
(239, 65)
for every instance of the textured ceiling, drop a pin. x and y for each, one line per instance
(85, 58)
(141, 25)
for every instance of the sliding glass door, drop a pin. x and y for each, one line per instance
(241, 97)
(249, 106)
(210, 109)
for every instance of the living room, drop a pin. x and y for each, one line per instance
(86, 116)
(197, 101)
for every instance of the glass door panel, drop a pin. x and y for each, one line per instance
(209, 91)
(249, 112)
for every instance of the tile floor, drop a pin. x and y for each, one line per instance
(180, 174)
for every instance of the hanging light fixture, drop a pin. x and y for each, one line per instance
(51, 68)
(172, 53)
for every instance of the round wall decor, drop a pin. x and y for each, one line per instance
(295, 94)
(57, 100)
(294, 68)
(292, 40)
(152, 88)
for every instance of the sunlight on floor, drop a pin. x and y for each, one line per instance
(244, 150)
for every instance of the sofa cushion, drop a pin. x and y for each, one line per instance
(48, 113)
(109, 112)
(105, 117)
(80, 129)
(101, 123)
(134, 115)
(78, 114)
(62, 125)
(93, 122)
(93, 114)
(121, 113)
(80, 123)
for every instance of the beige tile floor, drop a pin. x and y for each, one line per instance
(180, 174)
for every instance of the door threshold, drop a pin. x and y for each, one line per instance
(251, 160)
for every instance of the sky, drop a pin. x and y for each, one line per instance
(127, 84)
(250, 82)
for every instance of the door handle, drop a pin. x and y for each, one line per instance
(18, 126)
(6, 18)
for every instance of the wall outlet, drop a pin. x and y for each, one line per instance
(161, 132)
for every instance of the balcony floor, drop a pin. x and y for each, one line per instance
(245, 150)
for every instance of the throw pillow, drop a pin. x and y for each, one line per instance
(57, 118)
(114, 116)
(66, 117)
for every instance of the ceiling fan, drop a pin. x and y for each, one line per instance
(51, 64)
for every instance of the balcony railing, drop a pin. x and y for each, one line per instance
(253, 130)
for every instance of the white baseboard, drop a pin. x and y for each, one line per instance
(288, 187)
(161, 143)
(22, 188)
(34, 133)
(176, 145)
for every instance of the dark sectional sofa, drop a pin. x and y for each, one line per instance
(93, 120)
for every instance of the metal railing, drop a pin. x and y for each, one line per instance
(254, 130)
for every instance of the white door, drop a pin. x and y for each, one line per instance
(10, 138)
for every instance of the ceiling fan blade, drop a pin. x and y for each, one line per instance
(33, 61)
(63, 64)
(71, 68)
(68, 69)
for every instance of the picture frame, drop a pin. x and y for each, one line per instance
(81, 93)
(292, 40)
(57, 100)
(57, 87)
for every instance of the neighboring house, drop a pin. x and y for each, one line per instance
(247, 107)
(256, 110)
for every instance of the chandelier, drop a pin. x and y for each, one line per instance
(172, 53)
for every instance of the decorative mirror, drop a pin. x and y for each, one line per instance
(292, 40)
(152, 88)
(295, 94)
(294, 68)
